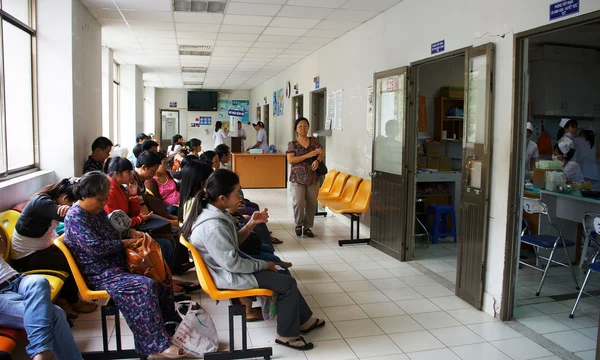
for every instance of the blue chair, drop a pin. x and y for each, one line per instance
(439, 229)
(541, 241)
(591, 229)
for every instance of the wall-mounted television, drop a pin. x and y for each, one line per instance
(202, 100)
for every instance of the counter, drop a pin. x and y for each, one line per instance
(454, 179)
(258, 171)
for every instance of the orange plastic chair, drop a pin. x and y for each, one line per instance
(328, 182)
(347, 193)
(359, 205)
(208, 285)
(336, 188)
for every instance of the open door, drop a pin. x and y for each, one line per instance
(389, 186)
(477, 156)
(169, 126)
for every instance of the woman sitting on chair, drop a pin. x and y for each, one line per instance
(100, 255)
(215, 236)
(32, 247)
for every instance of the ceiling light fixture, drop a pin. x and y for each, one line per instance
(214, 7)
(195, 50)
(192, 69)
(193, 83)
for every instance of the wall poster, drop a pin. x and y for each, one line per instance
(278, 102)
(370, 110)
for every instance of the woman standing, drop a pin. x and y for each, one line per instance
(570, 168)
(176, 144)
(304, 154)
(32, 247)
(261, 137)
(586, 156)
(219, 135)
(194, 146)
(568, 129)
(100, 255)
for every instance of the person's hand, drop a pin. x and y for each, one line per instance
(132, 189)
(314, 165)
(62, 210)
(260, 217)
(314, 153)
(272, 266)
(147, 216)
(237, 207)
(135, 234)
(129, 242)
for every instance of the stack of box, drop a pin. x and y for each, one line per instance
(435, 158)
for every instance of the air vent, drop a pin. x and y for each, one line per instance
(200, 6)
(193, 70)
(192, 83)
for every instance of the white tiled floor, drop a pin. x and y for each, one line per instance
(379, 308)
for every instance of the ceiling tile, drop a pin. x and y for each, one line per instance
(195, 42)
(104, 4)
(371, 5)
(264, 51)
(159, 5)
(231, 50)
(271, 30)
(337, 25)
(149, 25)
(198, 18)
(196, 35)
(297, 52)
(260, 56)
(279, 39)
(154, 33)
(233, 44)
(197, 27)
(294, 22)
(242, 29)
(239, 8)
(147, 15)
(305, 12)
(352, 15)
(247, 20)
(106, 14)
(272, 45)
(238, 37)
(332, 34)
(318, 3)
(304, 46)
(313, 40)
(157, 40)
(288, 56)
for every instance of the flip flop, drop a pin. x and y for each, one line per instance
(315, 326)
(276, 241)
(181, 297)
(306, 346)
(255, 315)
(189, 286)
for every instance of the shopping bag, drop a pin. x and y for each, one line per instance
(196, 333)
(269, 306)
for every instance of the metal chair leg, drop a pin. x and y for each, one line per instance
(546, 270)
(587, 276)
(570, 265)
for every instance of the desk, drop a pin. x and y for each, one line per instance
(453, 179)
(567, 212)
(258, 171)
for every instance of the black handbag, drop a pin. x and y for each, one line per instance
(322, 169)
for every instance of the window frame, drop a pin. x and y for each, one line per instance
(31, 31)
(116, 102)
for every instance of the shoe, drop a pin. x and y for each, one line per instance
(308, 233)
(298, 230)
(173, 352)
(83, 306)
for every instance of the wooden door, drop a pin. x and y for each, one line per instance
(389, 191)
(477, 151)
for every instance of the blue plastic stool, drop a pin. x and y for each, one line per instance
(440, 213)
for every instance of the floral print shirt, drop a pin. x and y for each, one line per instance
(301, 172)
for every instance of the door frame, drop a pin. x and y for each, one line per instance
(160, 139)
(293, 112)
(311, 95)
(409, 251)
(515, 175)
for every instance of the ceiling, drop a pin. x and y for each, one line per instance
(251, 41)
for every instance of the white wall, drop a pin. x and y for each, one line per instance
(131, 115)
(108, 126)
(166, 96)
(397, 37)
(151, 124)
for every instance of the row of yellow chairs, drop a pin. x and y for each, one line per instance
(349, 195)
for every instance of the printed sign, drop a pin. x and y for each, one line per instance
(391, 84)
(237, 113)
(438, 47)
(563, 8)
(317, 84)
(173, 104)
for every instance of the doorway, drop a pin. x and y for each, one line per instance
(265, 120)
(297, 111)
(169, 126)
(554, 79)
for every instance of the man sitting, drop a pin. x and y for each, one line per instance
(139, 140)
(101, 148)
(25, 304)
(224, 154)
(150, 145)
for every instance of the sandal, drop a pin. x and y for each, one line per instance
(189, 286)
(289, 343)
(255, 315)
(276, 241)
(83, 306)
(173, 352)
(309, 233)
(315, 326)
(298, 230)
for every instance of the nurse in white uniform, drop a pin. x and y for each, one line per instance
(531, 153)
(219, 135)
(570, 167)
(261, 137)
(586, 156)
(568, 129)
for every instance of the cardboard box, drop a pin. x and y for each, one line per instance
(421, 162)
(540, 174)
(452, 92)
(445, 163)
(433, 148)
(433, 162)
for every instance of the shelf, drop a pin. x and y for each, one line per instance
(453, 118)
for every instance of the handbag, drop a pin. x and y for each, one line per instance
(322, 169)
(144, 257)
(196, 333)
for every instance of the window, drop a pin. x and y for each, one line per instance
(18, 124)
(116, 101)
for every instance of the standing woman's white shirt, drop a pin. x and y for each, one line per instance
(586, 158)
(242, 134)
(219, 137)
(261, 136)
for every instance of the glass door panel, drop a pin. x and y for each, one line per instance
(389, 124)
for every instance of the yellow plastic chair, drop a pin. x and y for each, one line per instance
(328, 182)
(209, 287)
(336, 188)
(347, 193)
(110, 309)
(359, 205)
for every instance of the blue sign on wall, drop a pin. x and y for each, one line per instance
(317, 84)
(438, 47)
(563, 8)
(237, 113)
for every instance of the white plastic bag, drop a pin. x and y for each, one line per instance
(197, 333)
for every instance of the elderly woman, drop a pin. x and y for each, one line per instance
(304, 154)
(100, 255)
